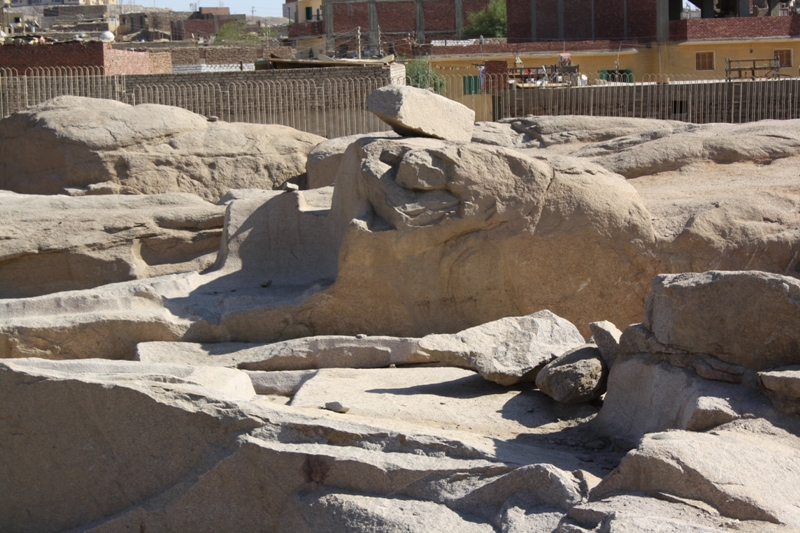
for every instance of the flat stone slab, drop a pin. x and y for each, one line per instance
(308, 353)
(413, 112)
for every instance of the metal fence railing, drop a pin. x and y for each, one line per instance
(670, 97)
(335, 107)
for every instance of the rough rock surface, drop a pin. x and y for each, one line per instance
(420, 237)
(722, 197)
(180, 436)
(324, 159)
(750, 319)
(416, 112)
(330, 351)
(298, 264)
(606, 336)
(654, 151)
(660, 512)
(648, 394)
(79, 145)
(506, 351)
(279, 383)
(782, 385)
(56, 243)
(746, 470)
(568, 129)
(502, 134)
(577, 376)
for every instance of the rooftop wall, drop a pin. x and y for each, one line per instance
(734, 28)
(84, 54)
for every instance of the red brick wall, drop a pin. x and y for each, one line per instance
(397, 16)
(73, 54)
(224, 55)
(52, 55)
(734, 28)
(304, 29)
(160, 62)
(577, 19)
(642, 19)
(204, 28)
(440, 15)
(123, 62)
(349, 16)
(496, 74)
(609, 19)
(519, 20)
(546, 19)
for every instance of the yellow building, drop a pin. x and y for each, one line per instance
(308, 31)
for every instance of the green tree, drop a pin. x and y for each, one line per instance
(419, 74)
(489, 22)
(233, 32)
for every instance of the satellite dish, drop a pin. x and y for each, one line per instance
(107, 37)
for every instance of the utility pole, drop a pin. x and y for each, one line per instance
(3, 7)
(358, 41)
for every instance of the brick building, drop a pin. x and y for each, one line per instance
(579, 20)
(640, 20)
(85, 54)
(379, 24)
(638, 38)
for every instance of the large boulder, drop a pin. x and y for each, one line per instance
(750, 319)
(75, 144)
(648, 393)
(606, 336)
(324, 159)
(57, 243)
(506, 351)
(484, 242)
(577, 376)
(782, 385)
(746, 470)
(416, 112)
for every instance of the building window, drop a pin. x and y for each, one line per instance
(785, 57)
(309, 13)
(704, 61)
